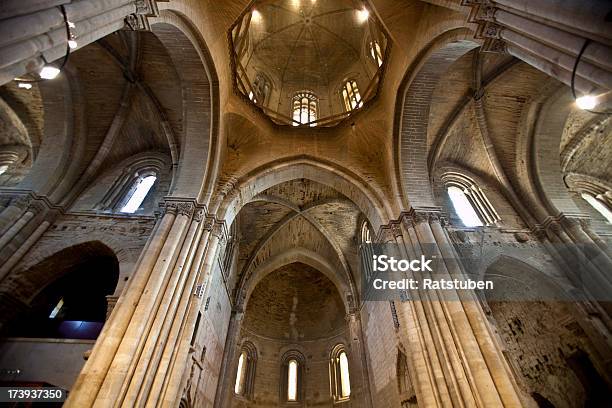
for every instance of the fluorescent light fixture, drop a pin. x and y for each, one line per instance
(24, 85)
(586, 102)
(49, 72)
(363, 15)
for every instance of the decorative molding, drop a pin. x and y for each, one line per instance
(139, 21)
(483, 15)
(209, 222)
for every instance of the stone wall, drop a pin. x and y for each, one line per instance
(316, 380)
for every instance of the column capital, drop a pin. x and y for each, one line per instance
(179, 206)
(483, 16)
(139, 21)
(421, 215)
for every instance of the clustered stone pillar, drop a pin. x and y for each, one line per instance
(22, 223)
(34, 31)
(11, 155)
(585, 260)
(549, 35)
(138, 358)
(455, 359)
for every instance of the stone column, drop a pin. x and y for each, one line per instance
(31, 31)
(14, 211)
(122, 339)
(177, 379)
(10, 155)
(549, 35)
(454, 356)
(19, 237)
(358, 357)
(111, 302)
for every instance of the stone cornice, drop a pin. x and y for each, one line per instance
(29, 200)
(483, 15)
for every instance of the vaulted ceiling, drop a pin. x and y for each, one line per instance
(297, 218)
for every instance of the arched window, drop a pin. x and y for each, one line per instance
(240, 374)
(305, 108)
(376, 52)
(292, 380)
(463, 207)
(292, 369)
(366, 235)
(245, 373)
(261, 90)
(469, 201)
(598, 205)
(137, 193)
(339, 374)
(366, 249)
(351, 96)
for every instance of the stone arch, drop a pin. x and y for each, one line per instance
(479, 186)
(534, 269)
(412, 113)
(200, 102)
(369, 200)
(125, 250)
(544, 153)
(64, 136)
(22, 287)
(111, 185)
(300, 255)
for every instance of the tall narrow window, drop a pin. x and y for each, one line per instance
(344, 376)
(56, 309)
(292, 369)
(376, 53)
(598, 205)
(463, 207)
(305, 108)
(139, 191)
(339, 374)
(261, 90)
(366, 250)
(366, 235)
(240, 374)
(351, 96)
(292, 374)
(245, 372)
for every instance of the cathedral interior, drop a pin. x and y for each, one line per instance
(190, 192)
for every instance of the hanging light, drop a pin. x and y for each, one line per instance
(72, 44)
(49, 72)
(586, 102)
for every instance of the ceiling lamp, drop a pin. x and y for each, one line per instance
(363, 15)
(586, 102)
(49, 72)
